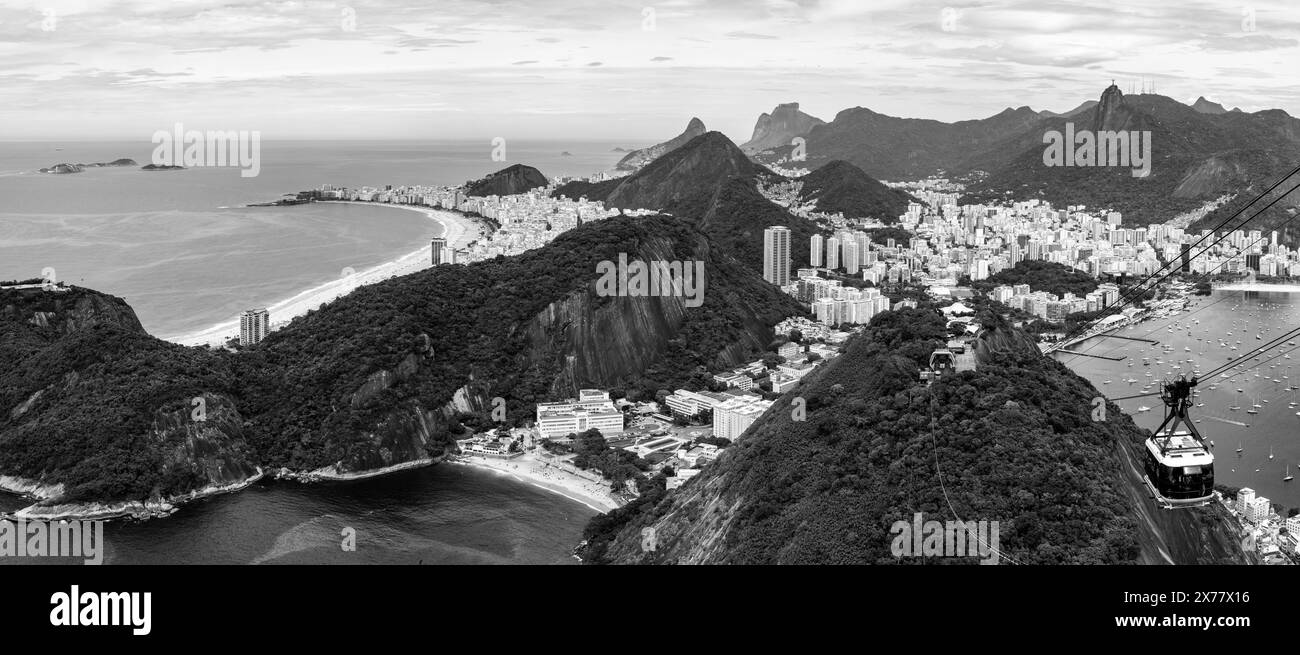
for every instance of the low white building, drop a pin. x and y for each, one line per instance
(593, 410)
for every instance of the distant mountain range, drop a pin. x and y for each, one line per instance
(1206, 107)
(1199, 153)
(637, 159)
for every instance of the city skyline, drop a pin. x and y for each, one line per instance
(580, 70)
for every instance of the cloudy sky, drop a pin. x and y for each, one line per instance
(605, 69)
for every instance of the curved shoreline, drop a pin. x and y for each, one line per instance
(456, 229)
(529, 474)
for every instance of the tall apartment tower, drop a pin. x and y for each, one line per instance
(864, 246)
(440, 252)
(818, 247)
(832, 253)
(851, 257)
(776, 255)
(253, 326)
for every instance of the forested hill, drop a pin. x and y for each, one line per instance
(1013, 442)
(377, 378)
(711, 182)
(1041, 276)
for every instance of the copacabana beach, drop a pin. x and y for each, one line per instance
(458, 229)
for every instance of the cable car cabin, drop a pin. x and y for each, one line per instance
(1179, 469)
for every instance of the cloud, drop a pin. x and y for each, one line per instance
(252, 60)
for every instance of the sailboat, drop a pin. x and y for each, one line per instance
(1288, 477)
(1239, 448)
(1270, 452)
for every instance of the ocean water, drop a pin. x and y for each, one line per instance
(442, 514)
(1244, 314)
(181, 249)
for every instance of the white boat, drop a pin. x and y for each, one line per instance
(1144, 408)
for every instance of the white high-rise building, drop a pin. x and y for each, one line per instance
(253, 326)
(864, 246)
(851, 258)
(832, 253)
(733, 417)
(776, 255)
(1245, 496)
(440, 252)
(815, 253)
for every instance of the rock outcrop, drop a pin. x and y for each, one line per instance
(780, 127)
(637, 159)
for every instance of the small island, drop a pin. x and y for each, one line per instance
(161, 167)
(64, 169)
(566, 153)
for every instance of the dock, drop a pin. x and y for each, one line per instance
(1075, 352)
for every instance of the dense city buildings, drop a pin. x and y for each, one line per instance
(524, 221)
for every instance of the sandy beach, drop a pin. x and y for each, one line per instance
(457, 229)
(532, 470)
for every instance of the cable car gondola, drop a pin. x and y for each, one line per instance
(1179, 466)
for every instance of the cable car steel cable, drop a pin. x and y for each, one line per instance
(1126, 297)
(1129, 295)
(1203, 277)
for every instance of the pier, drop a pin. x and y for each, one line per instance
(1075, 352)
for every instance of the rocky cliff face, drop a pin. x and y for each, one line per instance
(602, 342)
(204, 441)
(780, 127)
(637, 159)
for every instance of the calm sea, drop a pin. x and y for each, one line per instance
(443, 514)
(1275, 428)
(182, 249)
(179, 246)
